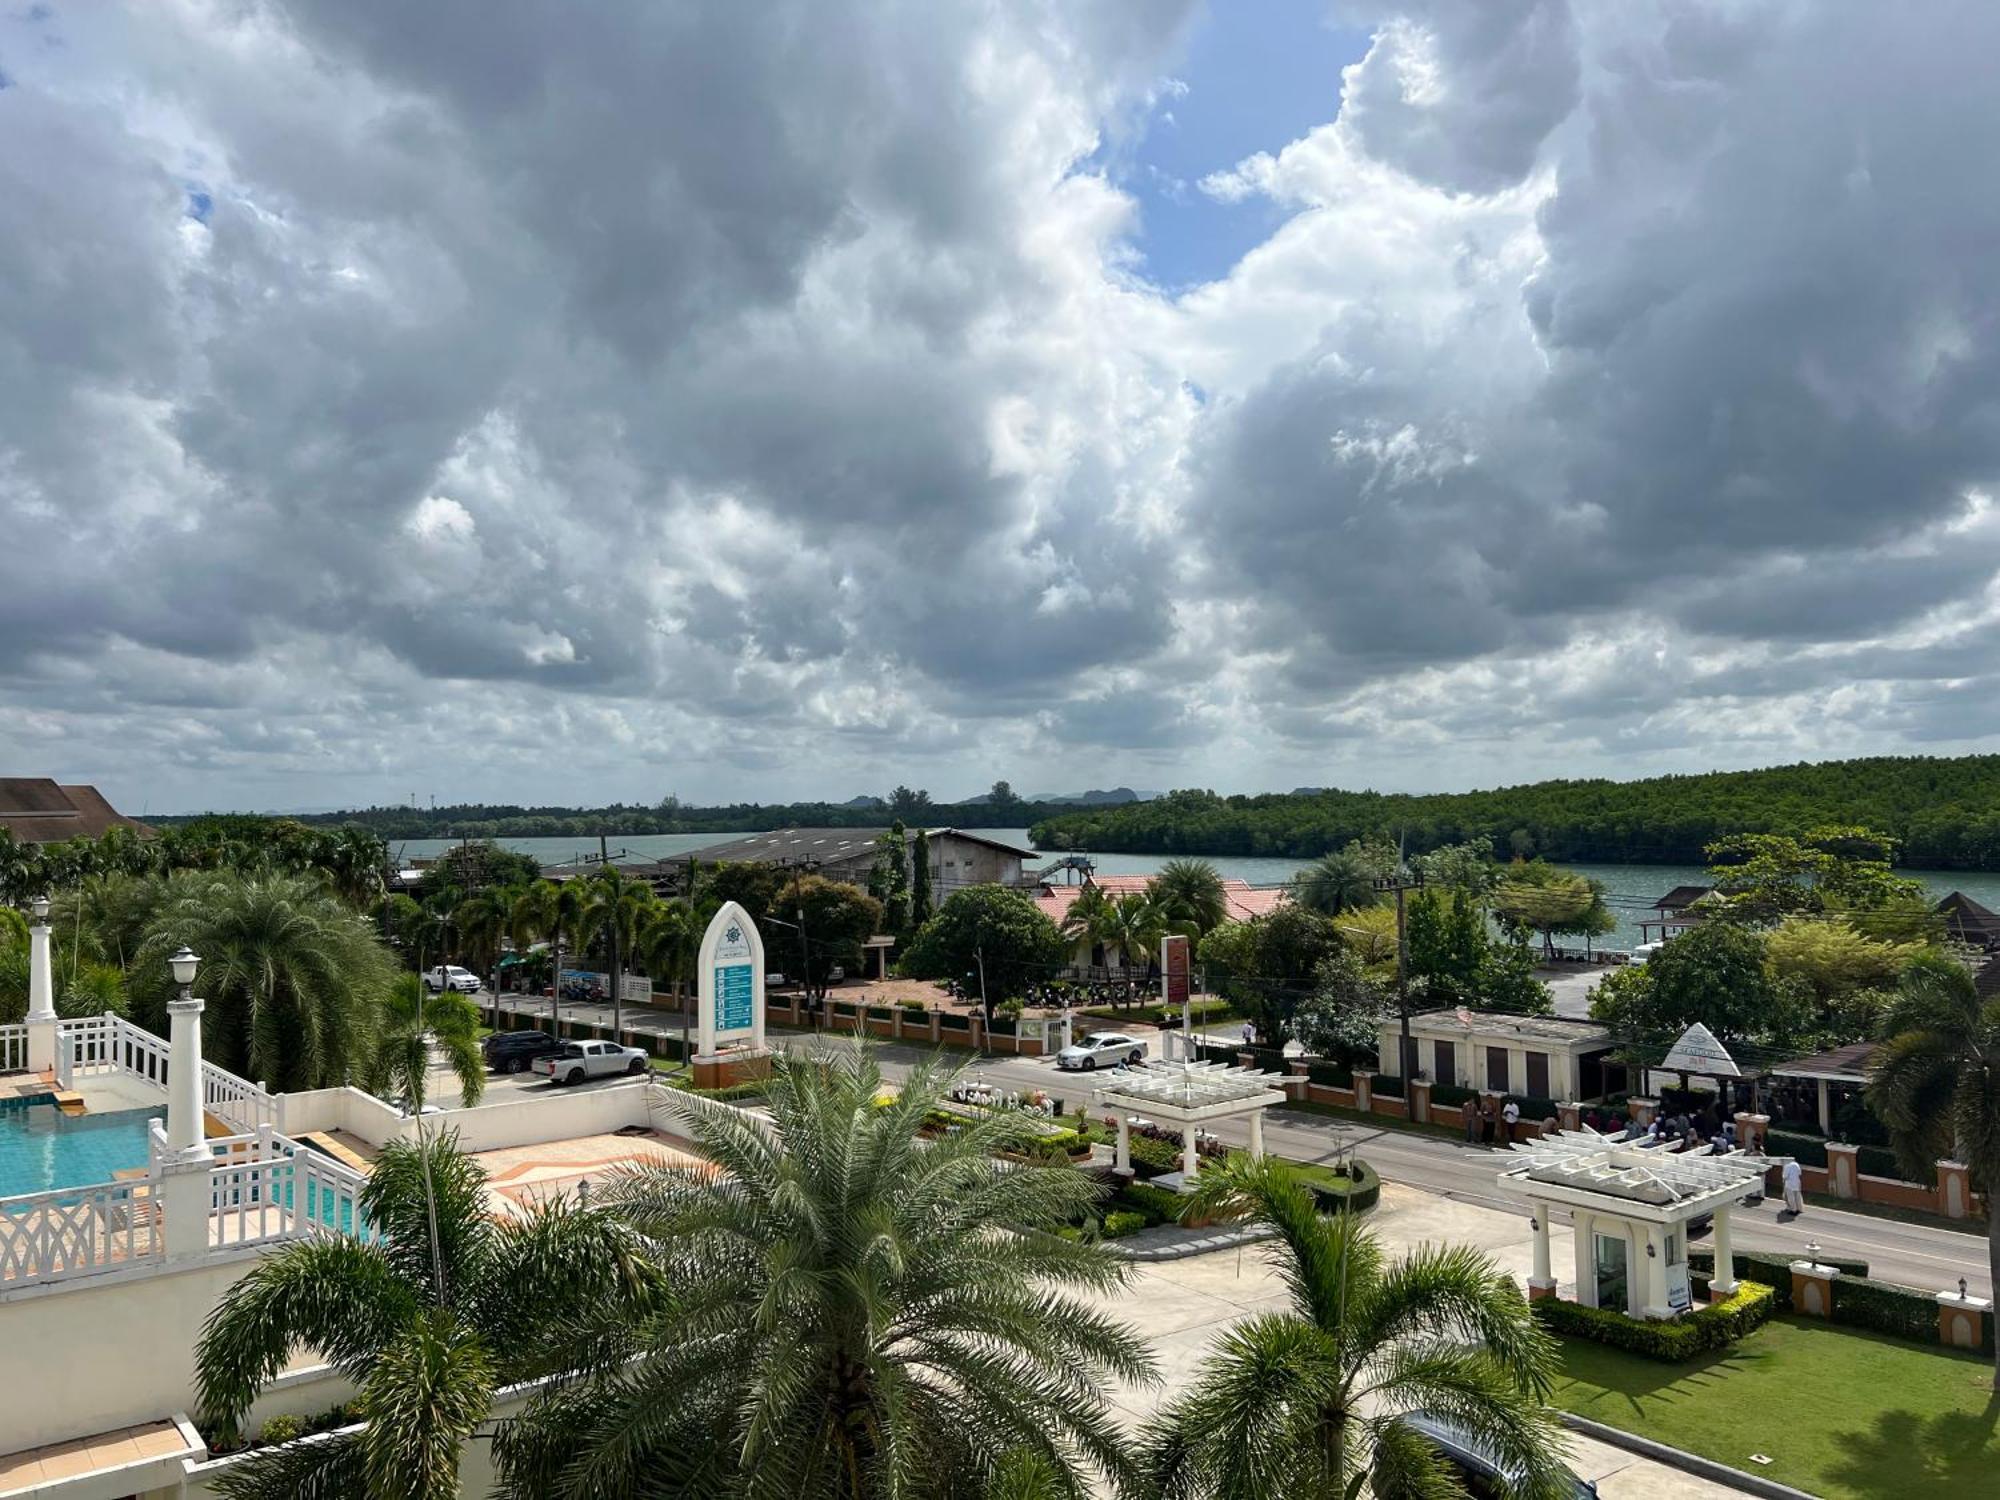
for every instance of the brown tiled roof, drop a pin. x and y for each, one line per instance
(38, 811)
(1681, 897)
(1968, 920)
(1849, 1062)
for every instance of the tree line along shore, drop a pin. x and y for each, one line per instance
(1943, 813)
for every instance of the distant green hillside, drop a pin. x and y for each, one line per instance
(1945, 812)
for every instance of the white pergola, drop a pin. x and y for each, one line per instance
(1190, 1095)
(1631, 1205)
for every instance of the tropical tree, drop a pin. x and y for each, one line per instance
(1088, 916)
(1341, 881)
(668, 944)
(548, 911)
(441, 1305)
(853, 1311)
(615, 907)
(290, 974)
(889, 878)
(836, 920)
(483, 920)
(920, 877)
(398, 1064)
(1312, 1400)
(1190, 893)
(1134, 924)
(1543, 899)
(989, 929)
(1936, 1084)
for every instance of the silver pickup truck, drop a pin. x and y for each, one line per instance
(580, 1060)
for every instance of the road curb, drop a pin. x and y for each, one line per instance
(1188, 1249)
(1680, 1458)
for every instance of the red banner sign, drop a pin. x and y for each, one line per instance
(1174, 970)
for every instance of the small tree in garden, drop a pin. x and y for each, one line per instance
(920, 877)
(889, 879)
(1341, 1018)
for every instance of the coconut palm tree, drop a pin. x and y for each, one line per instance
(1309, 1401)
(398, 1065)
(1134, 923)
(482, 920)
(1190, 891)
(615, 908)
(667, 943)
(1936, 1083)
(548, 911)
(1341, 881)
(290, 974)
(440, 1306)
(1086, 919)
(854, 1312)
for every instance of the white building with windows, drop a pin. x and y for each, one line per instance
(1538, 1057)
(1630, 1206)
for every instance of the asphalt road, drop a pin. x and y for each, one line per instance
(1911, 1254)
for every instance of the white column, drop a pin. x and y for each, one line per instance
(185, 1137)
(41, 1016)
(1825, 1110)
(1653, 1266)
(1544, 1278)
(1190, 1158)
(1256, 1133)
(1123, 1163)
(1725, 1259)
(1585, 1245)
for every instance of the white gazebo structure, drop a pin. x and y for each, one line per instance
(1631, 1206)
(1190, 1095)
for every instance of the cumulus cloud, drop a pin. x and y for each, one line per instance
(755, 400)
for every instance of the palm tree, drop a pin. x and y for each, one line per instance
(547, 910)
(615, 906)
(1086, 919)
(1309, 1401)
(855, 1312)
(289, 972)
(483, 920)
(1936, 1084)
(1135, 923)
(399, 1064)
(440, 1306)
(667, 944)
(1341, 881)
(1190, 891)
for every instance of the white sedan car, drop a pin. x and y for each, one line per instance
(1102, 1049)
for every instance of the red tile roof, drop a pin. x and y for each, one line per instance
(1242, 899)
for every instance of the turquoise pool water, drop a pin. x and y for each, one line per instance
(41, 1148)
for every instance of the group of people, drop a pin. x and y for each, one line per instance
(1490, 1122)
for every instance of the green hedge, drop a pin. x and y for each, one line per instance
(1880, 1161)
(1809, 1149)
(1535, 1109)
(1387, 1086)
(1158, 1205)
(1359, 1191)
(882, 1012)
(1153, 1158)
(1894, 1310)
(1773, 1270)
(1673, 1340)
(953, 1020)
(1331, 1075)
(1122, 1223)
(1451, 1093)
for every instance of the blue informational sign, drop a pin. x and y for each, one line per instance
(735, 994)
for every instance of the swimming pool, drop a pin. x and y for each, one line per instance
(42, 1148)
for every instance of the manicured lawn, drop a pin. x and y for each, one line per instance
(1840, 1413)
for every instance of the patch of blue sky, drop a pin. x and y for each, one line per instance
(199, 204)
(1256, 75)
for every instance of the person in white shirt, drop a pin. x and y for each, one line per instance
(1511, 1113)
(1795, 1196)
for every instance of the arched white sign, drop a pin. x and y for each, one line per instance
(731, 969)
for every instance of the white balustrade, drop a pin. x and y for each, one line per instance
(291, 1193)
(234, 1101)
(70, 1232)
(14, 1048)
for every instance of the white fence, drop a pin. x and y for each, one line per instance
(279, 1190)
(14, 1048)
(112, 1044)
(69, 1232)
(235, 1101)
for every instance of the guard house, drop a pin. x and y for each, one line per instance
(1537, 1057)
(1190, 1095)
(1683, 907)
(1631, 1206)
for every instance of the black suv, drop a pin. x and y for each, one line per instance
(513, 1051)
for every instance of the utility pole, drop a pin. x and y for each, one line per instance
(805, 967)
(985, 1012)
(1403, 880)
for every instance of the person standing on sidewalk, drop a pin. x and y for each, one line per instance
(1510, 1116)
(1795, 1195)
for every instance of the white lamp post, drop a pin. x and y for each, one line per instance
(184, 1133)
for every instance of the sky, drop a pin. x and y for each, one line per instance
(512, 402)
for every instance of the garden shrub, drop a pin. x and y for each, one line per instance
(955, 1021)
(281, 1429)
(915, 1007)
(1123, 1222)
(1158, 1205)
(1270, 1059)
(1387, 1086)
(1331, 1075)
(1897, 1311)
(1003, 1024)
(1152, 1157)
(1332, 1192)
(1452, 1093)
(1809, 1149)
(1880, 1161)
(1676, 1339)
(881, 1012)
(1534, 1109)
